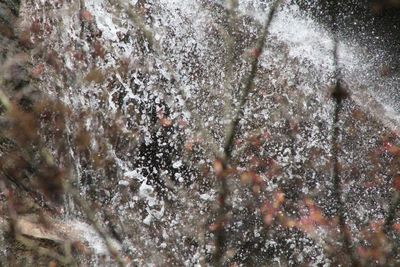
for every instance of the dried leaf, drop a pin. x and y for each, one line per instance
(29, 228)
(396, 183)
(218, 167)
(95, 75)
(99, 50)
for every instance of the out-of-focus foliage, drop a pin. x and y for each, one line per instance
(119, 126)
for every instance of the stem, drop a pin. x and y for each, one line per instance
(248, 84)
(338, 95)
(223, 191)
(337, 189)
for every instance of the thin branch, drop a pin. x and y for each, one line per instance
(223, 192)
(337, 188)
(338, 95)
(248, 84)
(229, 41)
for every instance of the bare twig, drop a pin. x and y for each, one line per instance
(338, 95)
(248, 84)
(229, 41)
(223, 192)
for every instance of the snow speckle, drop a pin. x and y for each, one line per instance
(177, 164)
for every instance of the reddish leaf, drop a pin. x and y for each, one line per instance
(95, 75)
(255, 52)
(86, 16)
(391, 149)
(52, 60)
(165, 122)
(182, 123)
(37, 71)
(81, 248)
(35, 27)
(396, 227)
(216, 226)
(270, 209)
(396, 183)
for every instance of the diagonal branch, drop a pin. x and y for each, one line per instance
(248, 84)
(223, 191)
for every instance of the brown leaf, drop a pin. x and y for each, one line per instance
(51, 181)
(52, 60)
(255, 52)
(27, 227)
(396, 183)
(25, 39)
(99, 50)
(35, 27)
(82, 140)
(95, 75)
(80, 247)
(218, 167)
(6, 31)
(246, 178)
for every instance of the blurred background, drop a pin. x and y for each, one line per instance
(373, 24)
